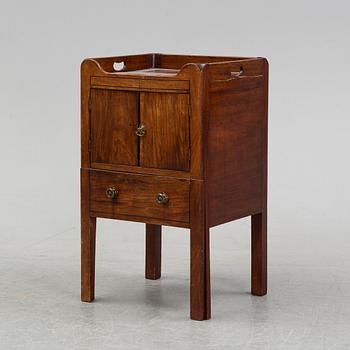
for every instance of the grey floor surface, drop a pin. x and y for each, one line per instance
(307, 306)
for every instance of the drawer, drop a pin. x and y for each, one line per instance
(149, 196)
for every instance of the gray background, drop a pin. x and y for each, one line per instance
(42, 44)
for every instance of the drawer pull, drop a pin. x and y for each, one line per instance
(141, 130)
(111, 192)
(162, 198)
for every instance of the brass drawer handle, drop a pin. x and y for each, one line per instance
(111, 192)
(162, 198)
(141, 130)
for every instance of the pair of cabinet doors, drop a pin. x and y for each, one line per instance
(115, 117)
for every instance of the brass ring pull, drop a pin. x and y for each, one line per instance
(111, 192)
(162, 198)
(141, 130)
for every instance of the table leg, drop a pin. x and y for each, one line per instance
(259, 254)
(153, 251)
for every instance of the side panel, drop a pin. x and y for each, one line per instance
(236, 148)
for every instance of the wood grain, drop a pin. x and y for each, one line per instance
(153, 251)
(178, 61)
(205, 145)
(141, 170)
(259, 221)
(88, 241)
(137, 195)
(200, 299)
(132, 62)
(197, 121)
(137, 84)
(259, 254)
(235, 150)
(156, 60)
(166, 143)
(114, 119)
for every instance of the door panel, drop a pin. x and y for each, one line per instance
(166, 141)
(114, 118)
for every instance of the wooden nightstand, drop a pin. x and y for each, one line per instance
(179, 141)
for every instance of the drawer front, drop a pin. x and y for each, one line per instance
(139, 195)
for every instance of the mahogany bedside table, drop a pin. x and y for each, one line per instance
(179, 141)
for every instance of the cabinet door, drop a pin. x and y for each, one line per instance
(114, 117)
(166, 143)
